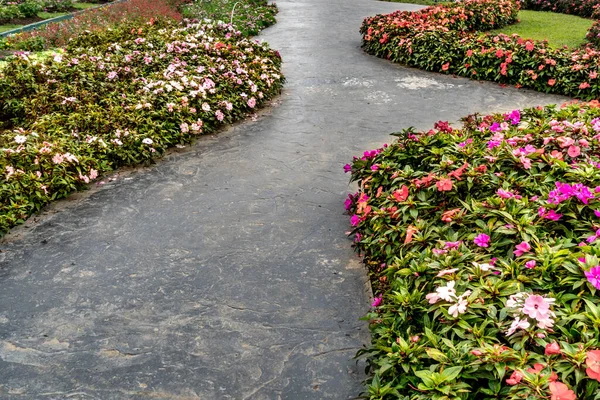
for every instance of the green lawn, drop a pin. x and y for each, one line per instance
(4, 28)
(48, 15)
(559, 29)
(83, 6)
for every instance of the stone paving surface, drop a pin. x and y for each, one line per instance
(223, 272)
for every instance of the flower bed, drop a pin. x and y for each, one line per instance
(120, 97)
(59, 34)
(483, 245)
(445, 39)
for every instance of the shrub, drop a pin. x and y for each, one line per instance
(113, 102)
(30, 8)
(249, 16)
(10, 12)
(58, 5)
(483, 247)
(441, 39)
(582, 8)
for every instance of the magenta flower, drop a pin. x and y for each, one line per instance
(522, 248)
(355, 220)
(482, 240)
(377, 301)
(597, 213)
(530, 264)
(495, 127)
(347, 168)
(552, 215)
(504, 194)
(593, 276)
(514, 117)
(374, 167)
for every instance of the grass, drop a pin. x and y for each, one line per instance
(559, 29)
(48, 15)
(8, 27)
(423, 2)
(83, 6)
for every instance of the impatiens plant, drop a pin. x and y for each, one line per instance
(483, 244)
(121, 97)
(449, 39)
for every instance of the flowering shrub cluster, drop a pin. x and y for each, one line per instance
(445, 39)
(104, 103)
(19, 9)
(58, 34)
(582, 8)
(483, 245)
(249, 16)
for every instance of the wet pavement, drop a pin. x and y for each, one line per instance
(223, 272)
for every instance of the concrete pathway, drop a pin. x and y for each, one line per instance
(224, 271)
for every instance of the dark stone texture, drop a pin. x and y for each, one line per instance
(223, 272)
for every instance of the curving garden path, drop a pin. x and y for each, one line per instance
(224, 272)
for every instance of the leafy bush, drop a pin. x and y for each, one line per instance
(58, 5)
(30, 8)
(442, 39)
(120, 97)
(10, 12)
(582, 8)
(249, 16)
(483, 247)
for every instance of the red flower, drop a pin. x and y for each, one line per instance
(444, 185)
(402, 194)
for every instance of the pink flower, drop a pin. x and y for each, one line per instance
(504, 194)
(252, 102)
(452, 245)
(446, 272)
(560, 391)
(355, 220)
(522, 248)
(220, 116)
(593, 276)
(530, 264)
(482, 240)
(537, 307)
(347, 168)
(58, 159)
(574, 151)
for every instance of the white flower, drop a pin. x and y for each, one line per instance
(20, 139)
(460, 307)
(147, 141)
(518, 323)
(447, 292)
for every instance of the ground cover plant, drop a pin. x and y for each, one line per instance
(582, 8)
(449, 39)
(558, 29)
(120, 97)
(483, 247)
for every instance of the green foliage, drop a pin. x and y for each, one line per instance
(483, 245)
(249, 16)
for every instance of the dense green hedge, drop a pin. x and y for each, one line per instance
(120, 97)
(483, 248)
(446, 39)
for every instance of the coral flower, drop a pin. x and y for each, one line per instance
(515, 378)
(444, 185)
(560, 391)
(593, 363)
(552, 348)
(402, 194)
